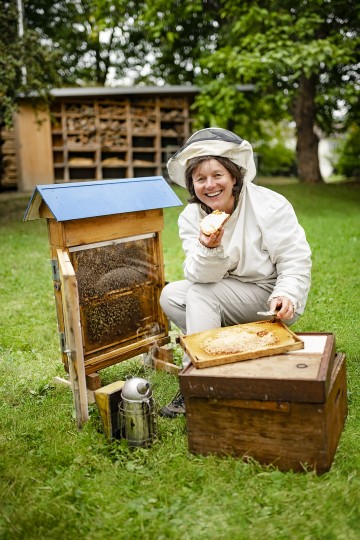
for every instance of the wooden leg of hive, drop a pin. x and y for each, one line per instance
(163, 360)
(93, 381)
(74, 350)
(78, 385)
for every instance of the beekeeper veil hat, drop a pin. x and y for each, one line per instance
(212, 142)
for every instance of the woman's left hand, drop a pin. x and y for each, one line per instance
(286, 310)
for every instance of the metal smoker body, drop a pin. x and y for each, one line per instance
(137, 412)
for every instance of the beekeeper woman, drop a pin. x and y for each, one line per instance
(259, 260)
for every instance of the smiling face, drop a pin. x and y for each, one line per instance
(213, 185)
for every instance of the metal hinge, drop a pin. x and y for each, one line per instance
(55, 269)
(62, 342)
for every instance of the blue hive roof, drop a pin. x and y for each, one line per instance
(96, 198)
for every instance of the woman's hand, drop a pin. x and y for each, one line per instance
(286, 310)
(212, 241)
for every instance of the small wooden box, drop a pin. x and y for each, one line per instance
(107, 400)
(287, 410)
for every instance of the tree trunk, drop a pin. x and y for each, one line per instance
(307, 146)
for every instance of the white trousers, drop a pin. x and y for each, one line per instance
(195, 307)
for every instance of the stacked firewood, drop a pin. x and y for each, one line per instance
(82, 123)
(174, 114)
(112, 110)
(80, 108)
(172, 103)
(8, 151)
(82, 139)
(118, 126)
(113, 139)
(143, 125)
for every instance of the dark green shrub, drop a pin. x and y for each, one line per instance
(276, 160)
(347, 155)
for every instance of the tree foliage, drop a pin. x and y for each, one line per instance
(92, 37)
(180, 34)
(27, 65)
(65, 42)
(302, 58)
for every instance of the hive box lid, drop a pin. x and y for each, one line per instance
(78, 200)
(298, 376)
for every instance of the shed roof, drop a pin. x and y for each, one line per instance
(96, 198)
(141, 90)
(122, 90)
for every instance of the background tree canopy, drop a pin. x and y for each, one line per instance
(27, 65)
(301, 58)
(92, 37)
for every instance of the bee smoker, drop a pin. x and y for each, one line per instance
(137, 412)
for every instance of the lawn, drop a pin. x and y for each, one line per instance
(59, 483)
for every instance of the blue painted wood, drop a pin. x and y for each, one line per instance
(78, 200)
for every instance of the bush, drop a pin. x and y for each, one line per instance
(276, 160)
(348, 154)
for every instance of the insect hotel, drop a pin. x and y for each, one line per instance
(108, 271)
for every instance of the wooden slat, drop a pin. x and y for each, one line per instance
(55, 234)
(33, 146)
(301, 390)
(91, 230)
(44, 211)
(121, 353)
(70, 300)
(336, 407)
(159, 257)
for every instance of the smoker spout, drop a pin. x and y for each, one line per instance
(143, 387)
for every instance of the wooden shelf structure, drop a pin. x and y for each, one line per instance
(102, 138)
(97, 133)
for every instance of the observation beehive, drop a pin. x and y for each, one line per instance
(108, 271)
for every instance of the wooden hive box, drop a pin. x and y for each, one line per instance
(108, 271)
(287, 410)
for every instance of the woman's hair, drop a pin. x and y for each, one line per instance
(236, 172)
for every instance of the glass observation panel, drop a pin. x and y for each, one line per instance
(118, 285)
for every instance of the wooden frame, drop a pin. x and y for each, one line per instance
(72, 327)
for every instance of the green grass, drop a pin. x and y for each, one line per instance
(58, 483)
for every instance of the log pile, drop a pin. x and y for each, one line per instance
(9, 175)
